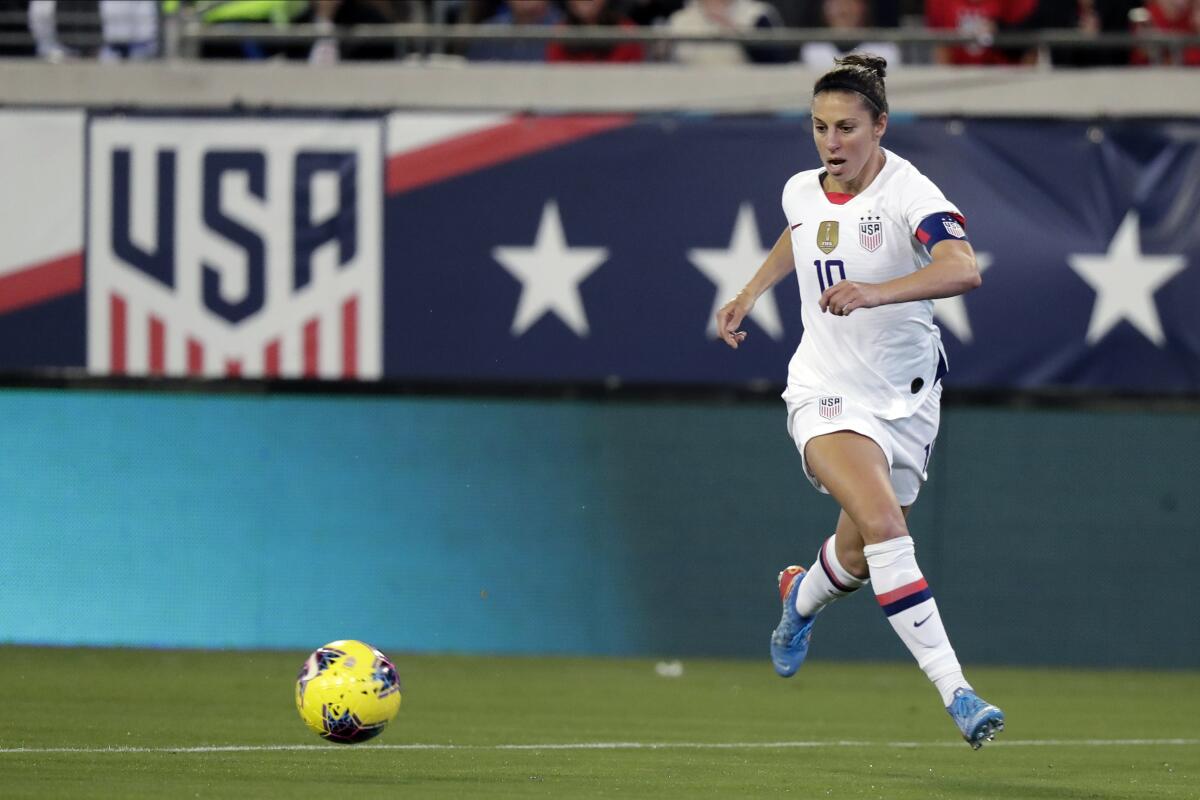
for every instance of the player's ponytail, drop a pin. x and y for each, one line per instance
(858, 72)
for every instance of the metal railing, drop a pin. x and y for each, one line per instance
(431, 37)
(182, 37)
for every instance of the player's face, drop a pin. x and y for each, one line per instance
(846, 136)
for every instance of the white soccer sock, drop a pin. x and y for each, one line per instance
(826, 581)
(906, 599)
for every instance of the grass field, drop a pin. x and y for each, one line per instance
(134, 724)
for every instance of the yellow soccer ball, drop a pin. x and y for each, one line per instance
(347, 691)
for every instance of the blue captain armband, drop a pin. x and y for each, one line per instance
(941, 226)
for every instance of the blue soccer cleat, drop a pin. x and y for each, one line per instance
(789, 642)
(978, 719)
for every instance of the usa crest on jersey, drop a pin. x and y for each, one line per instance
(829, 407)
(870, 233)
(221, 246)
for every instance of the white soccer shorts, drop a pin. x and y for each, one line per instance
(907, 443)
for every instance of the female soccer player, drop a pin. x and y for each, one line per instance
(872, 241)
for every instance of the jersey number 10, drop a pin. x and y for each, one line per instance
(825, 277)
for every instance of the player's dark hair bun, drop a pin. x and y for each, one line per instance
(858, 72)
(876, 64)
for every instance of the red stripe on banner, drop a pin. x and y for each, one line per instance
(195, 357)
(271, 359)
(312, 331)
(350, 338)
(158, 350)
(233, 368)
(487, 148)
(38, 283)
(903, 591)
(116, 339)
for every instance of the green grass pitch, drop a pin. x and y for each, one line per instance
(140, 724)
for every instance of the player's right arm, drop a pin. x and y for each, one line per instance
(777, 266)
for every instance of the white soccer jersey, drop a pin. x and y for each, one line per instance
(883, 358)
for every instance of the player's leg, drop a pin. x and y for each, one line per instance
(856, 472)
(838, 571)
(805, 592)
(849, 543)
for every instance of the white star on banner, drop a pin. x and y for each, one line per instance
(550, 273)
(731, 269)
(1125, 281)
(952, 311)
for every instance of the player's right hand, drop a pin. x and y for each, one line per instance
(730, 317)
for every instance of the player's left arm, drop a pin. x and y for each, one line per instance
(953, 271)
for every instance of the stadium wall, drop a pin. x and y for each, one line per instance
(612, 88)
(492, 525)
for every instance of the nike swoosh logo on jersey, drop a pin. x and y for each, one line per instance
(797, 225)
(922, 622)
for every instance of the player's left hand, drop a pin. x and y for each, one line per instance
(846, 296)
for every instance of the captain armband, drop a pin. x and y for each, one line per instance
(940, 227)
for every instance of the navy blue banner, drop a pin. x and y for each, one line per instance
(607, 257)
(601, 253)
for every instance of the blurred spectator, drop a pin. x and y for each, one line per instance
(810, 13)
(61, 34)
(452, 12)
(717, 16)
(885, 13)
(474, 12)
(226, 12)
(797, 13)
(517, 12)
(595, 12)
(14, 22)
(981, 19)
(651, 12)
(129, 29)
(1168, 16)
(334, 14)
(327, 15)
(1080, 16)
(1089, 17)
(846, 16)
(110, 30)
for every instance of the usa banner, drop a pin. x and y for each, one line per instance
(527, 248)
(234, 247)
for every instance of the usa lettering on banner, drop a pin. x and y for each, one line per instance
(223, 247)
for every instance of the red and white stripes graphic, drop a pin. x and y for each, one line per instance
(198, 355)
